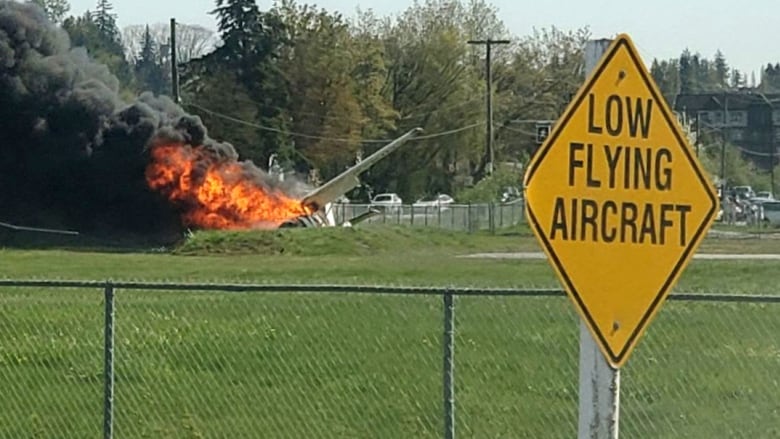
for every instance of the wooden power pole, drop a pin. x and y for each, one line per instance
(174, 64)
(489, 100)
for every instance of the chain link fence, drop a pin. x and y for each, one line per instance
(172, 360)
(460, 217)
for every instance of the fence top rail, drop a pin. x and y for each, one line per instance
(280, 288)
(346, 288)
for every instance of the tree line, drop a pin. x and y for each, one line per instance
(317, 91)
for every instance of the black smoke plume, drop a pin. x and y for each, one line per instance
(72, 153)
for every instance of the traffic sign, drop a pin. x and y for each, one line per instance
(618, 200)
(542, 131)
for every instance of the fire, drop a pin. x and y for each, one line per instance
(216, 194)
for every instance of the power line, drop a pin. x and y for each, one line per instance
(249, 100)
(447, 133)
(333, 139)
(276, 130)
(517, 130)
(440, 109)
(755, 153)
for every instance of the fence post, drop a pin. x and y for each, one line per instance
(492, 217)
(468, 218)
(512, 214)
(449, 366)
(108, 364)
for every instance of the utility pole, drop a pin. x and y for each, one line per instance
(489, 99)
(174, 64)
(771, 145)
(771, 141)
(723, 135)
(698, 132)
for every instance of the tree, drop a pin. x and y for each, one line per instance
(737, 79)
(667, 75)
(721, 70)
(103, 46)
(370, 72)
(545, 71)
(220, 93)
(55, 9)
(770, 78)
(192, 41)
(150, 72)
(251, 43)
(323, 103)
(432, 84)
(686, 73)
(105, 21)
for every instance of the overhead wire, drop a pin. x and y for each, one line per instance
(315, 137)
(272, 129)
(755, 153)
(517, 130)
(440, 109)
(249, 100)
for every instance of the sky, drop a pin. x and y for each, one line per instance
(747, 34)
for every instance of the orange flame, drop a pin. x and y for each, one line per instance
(218, 196)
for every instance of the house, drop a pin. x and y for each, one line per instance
(746, 118)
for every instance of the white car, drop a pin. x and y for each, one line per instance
(441, 200)
(762, 197)
(389, 201)
(772, 213)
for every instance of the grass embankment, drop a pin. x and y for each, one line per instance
(337, 365)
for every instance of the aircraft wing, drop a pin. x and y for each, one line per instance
(347, 180)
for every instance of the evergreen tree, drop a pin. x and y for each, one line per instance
(85, 31)
(721, 70)
(667, 76)
(55, 9)
(105, 21)
(252, 40)
(737, 80)
(686, 73)
(149, 71)
(770, 78)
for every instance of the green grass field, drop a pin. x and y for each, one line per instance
(341, 365)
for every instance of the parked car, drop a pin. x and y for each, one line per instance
(744, 192)
(762, 196)
(772, 213)
(388, 201)
(511, 193)
(441, 200)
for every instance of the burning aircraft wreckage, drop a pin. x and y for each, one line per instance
(223, 197)
(74, 154)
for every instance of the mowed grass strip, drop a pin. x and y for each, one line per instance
(371, 255)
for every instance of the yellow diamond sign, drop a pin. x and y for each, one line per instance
(618, 200)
